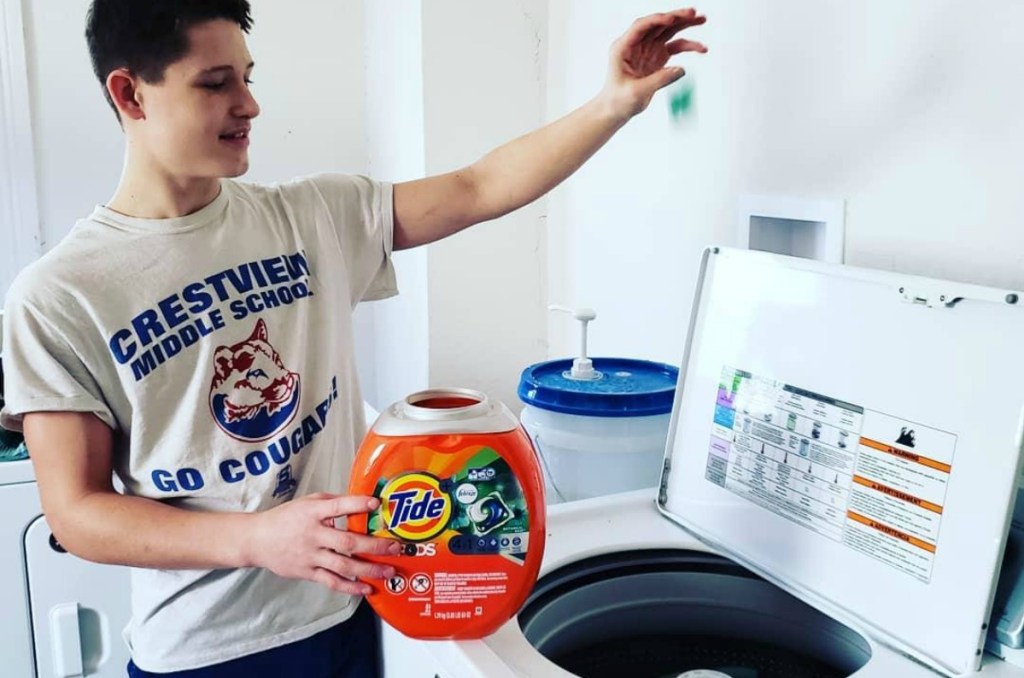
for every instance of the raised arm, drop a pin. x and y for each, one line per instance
(522, 170)
(72, 458)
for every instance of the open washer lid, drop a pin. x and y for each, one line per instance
(855, 437)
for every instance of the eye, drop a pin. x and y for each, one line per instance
(243, 361)
(248, 81)
(212, 85)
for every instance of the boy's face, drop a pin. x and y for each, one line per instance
(196, 122)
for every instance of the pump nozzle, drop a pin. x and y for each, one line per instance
(582, 367)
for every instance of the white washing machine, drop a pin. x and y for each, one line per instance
(837, 496)
(62, 616)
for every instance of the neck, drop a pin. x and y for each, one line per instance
(147, 191)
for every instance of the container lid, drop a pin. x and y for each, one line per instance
(445, 411)
(854, 437)
(625, 387)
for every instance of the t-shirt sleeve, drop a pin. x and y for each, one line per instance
(42, 370)
(362, 213)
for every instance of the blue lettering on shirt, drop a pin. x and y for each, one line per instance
(158, 334)
(277, 455)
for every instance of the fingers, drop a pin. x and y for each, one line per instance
(340, 584)
(679, 46)
(661, 27)
(680, 19)
(687, 17)
(665, 77)
(333, 506)
(350, 542)
(679, 24)
(644, 27)
(351, 567)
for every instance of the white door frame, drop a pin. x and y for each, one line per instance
(20, 238)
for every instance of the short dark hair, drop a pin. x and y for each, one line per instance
(147, 36)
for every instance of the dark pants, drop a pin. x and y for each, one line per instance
(348, 650)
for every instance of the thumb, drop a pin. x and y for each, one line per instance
(663, 78)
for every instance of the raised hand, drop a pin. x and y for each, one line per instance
(638, 61)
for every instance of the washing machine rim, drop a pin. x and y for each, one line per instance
(600, 526)
(660, 592)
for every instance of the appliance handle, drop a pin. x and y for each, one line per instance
(66, 641)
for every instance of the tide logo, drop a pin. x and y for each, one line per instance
(414, 508)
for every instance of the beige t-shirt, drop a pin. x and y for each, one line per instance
(218, 347)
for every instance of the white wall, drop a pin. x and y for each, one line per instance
(910, 111)
(309, 82)
(447, 82)
(484, 84)
(394, 362)
(78, 145)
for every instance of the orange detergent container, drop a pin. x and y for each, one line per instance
(460, 487)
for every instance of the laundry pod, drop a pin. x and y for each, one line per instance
(460, 488)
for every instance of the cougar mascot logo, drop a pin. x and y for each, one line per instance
(253, 395)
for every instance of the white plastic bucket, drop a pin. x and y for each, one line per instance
(600, 434)
(585, 457)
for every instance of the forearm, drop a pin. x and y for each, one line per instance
(110, 528)
(505, 179)
(526, 168)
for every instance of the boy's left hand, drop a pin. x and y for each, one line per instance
(637, 67)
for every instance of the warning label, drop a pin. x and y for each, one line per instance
(866, 479)
(466, 588)
(896, 501)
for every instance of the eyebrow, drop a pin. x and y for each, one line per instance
(217, 69)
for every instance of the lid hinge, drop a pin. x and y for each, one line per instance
(929, 298)
(663, 488)
(934, 297)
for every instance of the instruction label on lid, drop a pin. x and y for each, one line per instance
(869, 480)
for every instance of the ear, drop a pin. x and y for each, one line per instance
(222, 361)
(123, 90)
(259, 332)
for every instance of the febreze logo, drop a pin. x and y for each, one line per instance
(414, 508)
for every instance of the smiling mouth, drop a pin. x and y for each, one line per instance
(235, 137)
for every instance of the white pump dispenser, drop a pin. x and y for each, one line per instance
(582, 367)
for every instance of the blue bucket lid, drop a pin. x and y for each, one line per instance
(627, 388)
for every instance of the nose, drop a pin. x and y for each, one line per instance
(247, 106)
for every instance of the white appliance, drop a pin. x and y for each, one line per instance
(62, 616)
(839, 482)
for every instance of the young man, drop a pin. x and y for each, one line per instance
(193, 338)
